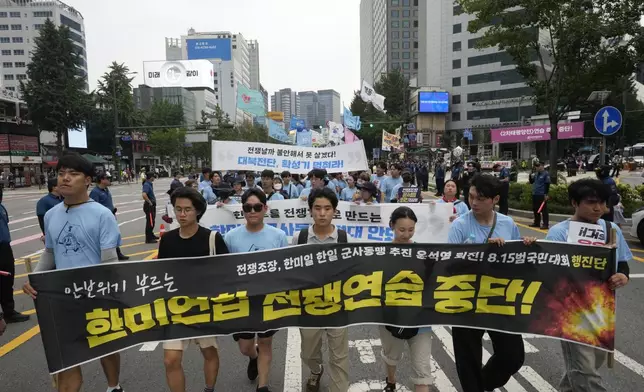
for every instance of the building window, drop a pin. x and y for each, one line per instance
(415, 34)
(18, 52)
(17, 40)
(415, 65)
(38, 26)
(456, 99)
(456, 81)
(415, 44)
(14, 14)
(457, 10)
(406, 45)
(20, 64)
(395, 55)
(457, 28)
(16, 27)
(415, 55)
(43, 14)
(415, 13)
(7, 65)
(406, 13)
(456, 116)
(395, 65)
(456, 46)
(4, 27)
(416, 23)
(395, 34)
(456, 64)
(395, 45)
(395, 24)
(3, 14)
(406, 55)
(406, 34)
(216, 81)
(21, 77)
(406, 3)
(405, 24)
(405, 65)
(395, 2)
(8, 77)
(394, 14)
(11, 88)
(509, 76)
(6, 52)
(415, 3)
(5, 40)
(70, 23)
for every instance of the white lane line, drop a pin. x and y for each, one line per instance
(365, 349)
(293, 363)
(22, 228)
(637, 276)
(21, 220)
(150, 346)
(28, 212)
(536, 380)
(629, 363)
(441, 381)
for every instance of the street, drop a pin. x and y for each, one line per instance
(23, 366)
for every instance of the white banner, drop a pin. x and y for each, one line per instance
(368, 94)
(182, 73)
(362, 223)
(586, 234)
(278, 157)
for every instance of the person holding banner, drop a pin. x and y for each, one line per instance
(318, 180)
(406, 192)
(589, 198)
(403, 223)
(252, 237)
(79, 233)
(449, 196)
(389, 183)
(190, 240)
(478, 226)
(323, 204)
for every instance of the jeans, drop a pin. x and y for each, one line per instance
(582, 365)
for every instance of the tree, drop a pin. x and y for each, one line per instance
(168, 142)
(563, 49)
(163, 112)
(55, 90)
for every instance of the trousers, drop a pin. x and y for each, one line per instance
(582, 365)
(338, 344)
(7, 263)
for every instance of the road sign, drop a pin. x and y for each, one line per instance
(608, 120)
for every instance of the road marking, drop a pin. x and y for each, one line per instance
(150, 346)
(629, 363)
(531, 228)
(536, 380)
(529, 348)
(25, 239)
(22, 228)
(365, 349)
(22, 220)
(293, 363)
(636, 276)
(373, 385)
(28, 212)
(18, 341)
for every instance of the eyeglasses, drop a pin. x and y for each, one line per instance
(179, 210)
(255, 207)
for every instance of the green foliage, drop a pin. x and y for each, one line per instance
(564, 49)
(163, 112)
(55, 89)
(115, 91)
(167, 142)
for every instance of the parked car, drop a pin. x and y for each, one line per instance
(637, 227)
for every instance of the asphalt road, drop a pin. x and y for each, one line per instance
(23, 366)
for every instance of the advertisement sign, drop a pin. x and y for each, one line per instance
(77, 138)
(433, 102)
(276, 116)
(299, 160)
(19, 145)
(183, 73)
(277, 132)
(536, 133)
(209, 49)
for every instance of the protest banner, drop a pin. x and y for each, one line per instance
(586, 234)
(557, 290)
(299, 160)
(410, 194)
(362, 223)
(390, 142)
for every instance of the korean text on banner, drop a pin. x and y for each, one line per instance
(556, 290)
(277, 132)
(390, 142)
(535, 133)
(250, 101)
(228, 155)
(304, 138)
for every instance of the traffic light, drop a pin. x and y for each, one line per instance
(370, 125)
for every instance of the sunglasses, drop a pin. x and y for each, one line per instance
(255, 207)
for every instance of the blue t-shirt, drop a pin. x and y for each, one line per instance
(347, 193)
(467, 230)
(5, 234)
(78, 235)
(378, 181)
(291, 190)
(103, 197)
(240, 240)
(388, 186)
(275, 196)
(46, 203)
(504, 173)
(559, 233)
(459, 206)
(148, 189)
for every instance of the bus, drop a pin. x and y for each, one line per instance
(636, 153)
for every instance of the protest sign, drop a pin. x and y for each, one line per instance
(410, 194)
(300, 160)
(542, 289)
(362, 223)
(586, 234)
(390, 141)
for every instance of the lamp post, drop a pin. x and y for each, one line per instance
(117, 145)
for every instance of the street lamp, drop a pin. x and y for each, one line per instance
(117, 144)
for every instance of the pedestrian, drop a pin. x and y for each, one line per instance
(439, 176)
(603, 175)
(368, 194)
(323, 204)
(403, 224)
(540, 181)
(504, 177)
(483, 225)
(388, 184)
(449, 196)
(397, 192)
(252, 237)
(268, 177)
(47, 202)
(149, 208)
(101, 194)
(349, 192)
(190, 240)
(318, 180)
(381, 174)
(176, 183)
(290, 187)
(205, 187)
(7, 264)
(79, 233)
(582, 363)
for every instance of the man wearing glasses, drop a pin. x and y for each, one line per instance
(252, 237)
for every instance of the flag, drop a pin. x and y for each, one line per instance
(297, 123)
(277, 132)
(304, 138)
(351, 121)
(368, 94)
(349, 137)
(250, 101)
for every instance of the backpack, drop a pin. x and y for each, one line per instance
(303, 237)
(402, 333)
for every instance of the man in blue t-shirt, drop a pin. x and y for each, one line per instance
(47, 202)
(388, 184)
(479, 226)
(149, 208)
(252, 237)
(101, 194)
(582, 363)
(268, 176)
(79, 233)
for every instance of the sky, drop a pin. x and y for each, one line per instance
(303, 44)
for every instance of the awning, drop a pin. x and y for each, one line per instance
(52, 163)
(94, 159)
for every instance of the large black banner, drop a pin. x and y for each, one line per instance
(553, 289)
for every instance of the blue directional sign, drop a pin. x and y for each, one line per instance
(608, 120)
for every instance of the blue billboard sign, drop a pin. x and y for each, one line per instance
(433, 102)
(209, 48)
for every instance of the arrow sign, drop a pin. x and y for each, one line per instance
(608, 121)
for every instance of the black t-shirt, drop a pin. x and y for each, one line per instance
(173, 246)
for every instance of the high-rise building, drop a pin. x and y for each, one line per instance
(329, 107)
(389, 38)
(287, 101)
(265, 96)
(253, 56)
(309, 108)
(145, 96)
(230, 54)
(20, 21)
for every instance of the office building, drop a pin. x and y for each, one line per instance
(329, 107)
(253, 57)
(230, 54)
(145, 96)
(286, 101)
(265, 96)
(389, 38)
(20, 21)
(309, 108)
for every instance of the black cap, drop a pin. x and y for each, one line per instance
(368, 186)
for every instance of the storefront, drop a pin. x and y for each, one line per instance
(20, 160)
(529, 141)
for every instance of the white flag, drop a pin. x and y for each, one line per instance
(368, 94)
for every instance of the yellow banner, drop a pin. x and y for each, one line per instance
(390, 142)
(276, 116)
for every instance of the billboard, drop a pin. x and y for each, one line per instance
(209, 48)
(433, 102)
(183, 73)
(276, 116)
(77, 138)
(535, 133)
